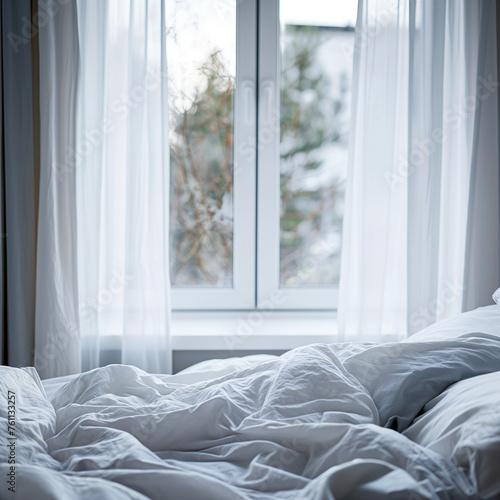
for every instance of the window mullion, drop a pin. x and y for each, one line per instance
(242, 294)
(244, 153)
(268, 182)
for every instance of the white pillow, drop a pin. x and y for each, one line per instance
(483, 319)
(26, 417)
(496, 296)
(215, 368)
(463, 424)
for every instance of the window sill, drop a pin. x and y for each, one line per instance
(251, 330)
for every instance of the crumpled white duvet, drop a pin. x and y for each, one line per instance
(316, 423)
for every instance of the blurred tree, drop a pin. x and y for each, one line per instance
(201, 163)
(202, 168)
(310, 121)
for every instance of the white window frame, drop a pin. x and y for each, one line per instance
(268, 207)
(242, 294)
(256, 189)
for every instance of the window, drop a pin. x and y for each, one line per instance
(259, 113)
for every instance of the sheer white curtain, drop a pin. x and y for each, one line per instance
(103, 277)
(57, 342)
(123, 185)
(421, 228)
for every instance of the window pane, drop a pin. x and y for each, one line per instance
(316, 68)
(201, 52)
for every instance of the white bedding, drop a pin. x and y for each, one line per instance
(312, 424)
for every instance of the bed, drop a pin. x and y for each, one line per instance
(418, 419)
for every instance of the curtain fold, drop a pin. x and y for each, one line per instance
(103, 275)
(18, 186)
(421, 229)
(121, 156)
(57, 339)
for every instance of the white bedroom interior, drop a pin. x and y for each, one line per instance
(303, 197)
